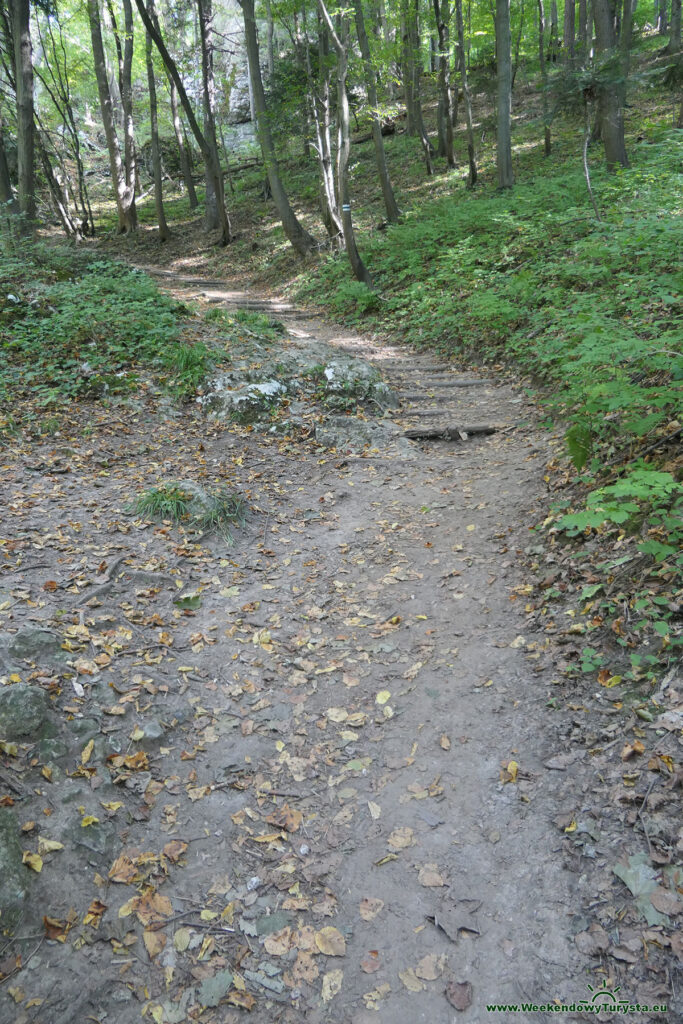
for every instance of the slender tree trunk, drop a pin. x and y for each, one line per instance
(23, 82)
(462, 59)
(554, 45)
(319, 100)
(504, 62)
(612, 94)
(569, 31)
(164, 233)
(662, 18)
(544, 78)
(205, 13)
(583, 31)
(125, 194)
(182, 149)
(416, 73)
(341, 44)
(442, 13)
(127, 98)
(7, 199)
(208, 154)
(407, 70)
(390, 203)
(674, 44)
(270, 34)
(302, 241)
(518, 43)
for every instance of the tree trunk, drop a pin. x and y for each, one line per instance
(23, 83)
(125, 194)
(7, 199)
(544, 78)
(504, 62)
(554, 45)
(319, 101)
(662, 18)
(611, 96)
(341, 44)
(127, 98)
(270, 34)
(164, 233)
(583, 31)
(211, 212)
(407, 71)
(390, 203)
(674, 44)
(182, 149)
(442, 13)
(206, 151)
(415, 65)
(569, 31)
(462, 59)
(302, 241)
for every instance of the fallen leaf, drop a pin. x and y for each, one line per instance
(86, 753)
(181, 939)
(401, 838)
(330, 941)
(332, 983)
(382, 697)
(410, 980)
(375, 810)
(430, 876)
(174, 850)
(430, 967)
(123, 870)
(459, 994)
(371, 963)
(370, 907)
(279, 943)
(32, 860)
(48, 846)
(155, 942)
(445, 742)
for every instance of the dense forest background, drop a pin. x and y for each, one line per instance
(499, 181)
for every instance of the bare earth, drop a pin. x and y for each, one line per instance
(326, 792)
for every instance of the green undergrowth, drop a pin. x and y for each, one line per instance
(592, 311)
(184, 503)
(73, 327)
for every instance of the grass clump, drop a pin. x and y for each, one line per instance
(185, 503)
(246, 321)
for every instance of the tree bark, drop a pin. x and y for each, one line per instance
(544, 78)
(341, 44)
(301, 240)
(583, 31)
(442, 13)
(125, 193)
(319, 100)
(569, 31)
(462, 59)
(504, 62)
(7, 199)
(182, 149)
(612, 93)
(205, 15)
(164, 233)
(23, 82)
(207, 153)
(390, 204)
(674, 44)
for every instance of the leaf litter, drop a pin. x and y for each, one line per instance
(226, 750)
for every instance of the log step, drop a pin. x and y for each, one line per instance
(450, 433)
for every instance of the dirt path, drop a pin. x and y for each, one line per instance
(333, 768)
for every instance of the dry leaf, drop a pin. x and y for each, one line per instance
(123, 870)
(181, 939)
(330, 941)
(410, 980)
(430, 876)
(459, 994)
(430, 967)
(32, 860)
(370, 907)
(155, 942)
(278, 943)
(401, 837)
(87, 752)
(332, 983)
(48, 846)
(444, 742)
(375, 810)
(371, 963)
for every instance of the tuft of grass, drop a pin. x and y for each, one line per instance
(203, 511)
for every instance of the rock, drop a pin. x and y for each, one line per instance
(13, 874)
(36, 645)
(23, 711)
(245, 404)
(349, 433)
(51, 749)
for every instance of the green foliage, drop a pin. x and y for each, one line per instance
(167, 501)
(246, 321)
(72, 327)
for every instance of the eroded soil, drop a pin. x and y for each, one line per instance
(333, 785)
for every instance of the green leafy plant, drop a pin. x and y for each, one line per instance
(184, 503)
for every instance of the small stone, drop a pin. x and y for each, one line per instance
(13, 875)
(23, 711)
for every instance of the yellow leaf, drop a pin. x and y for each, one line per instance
(382, 697)
(332, 983)
(48, 845)
(471, 527)
(112, 805)
(89, 819)
(375, 810)
(208, 915)
(330, 941)
(32, 860)
(410, 980)
(46, 773)
(137, 734)
(444, 742)
(11, 749)
(181, 939)
(401, 837)
(571, 827)
(154, 941)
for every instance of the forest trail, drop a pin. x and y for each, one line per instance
(334, 759)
